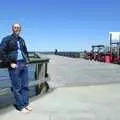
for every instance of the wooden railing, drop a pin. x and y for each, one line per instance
(70, 54)
(40, 74)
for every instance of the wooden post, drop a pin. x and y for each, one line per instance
(41, 73)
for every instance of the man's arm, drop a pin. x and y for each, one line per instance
(3, 49)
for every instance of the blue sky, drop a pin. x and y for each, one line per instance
(66, 25)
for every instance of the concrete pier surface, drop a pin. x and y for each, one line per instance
(101, 102)
(66, 71)
(84, 90)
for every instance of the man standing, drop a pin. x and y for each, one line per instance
(15, 52)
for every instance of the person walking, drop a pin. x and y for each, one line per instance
(15, 53)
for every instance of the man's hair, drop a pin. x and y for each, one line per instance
(16, 25)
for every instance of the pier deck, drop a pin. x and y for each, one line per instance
(84, 90)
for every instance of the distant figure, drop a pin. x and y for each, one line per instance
(56, 51)
(15, 53)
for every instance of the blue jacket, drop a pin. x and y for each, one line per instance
(9, 47)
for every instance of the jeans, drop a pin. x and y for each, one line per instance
(19, 81)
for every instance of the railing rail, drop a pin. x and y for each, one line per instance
(70, 54)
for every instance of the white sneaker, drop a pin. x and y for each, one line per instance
(24, 110)
(28, 108)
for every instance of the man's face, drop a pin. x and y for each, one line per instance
(16, 29)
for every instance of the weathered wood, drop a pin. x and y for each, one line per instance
(41, 72)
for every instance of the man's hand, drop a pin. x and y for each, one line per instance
(13, 65)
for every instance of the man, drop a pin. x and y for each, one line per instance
(15, 53)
